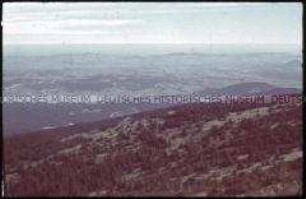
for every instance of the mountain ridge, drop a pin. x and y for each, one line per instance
(211, 149)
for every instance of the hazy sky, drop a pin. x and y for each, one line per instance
(212, 23)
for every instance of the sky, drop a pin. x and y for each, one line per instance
(147, 23)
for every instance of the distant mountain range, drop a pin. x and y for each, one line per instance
(250, 88)
(20, 118)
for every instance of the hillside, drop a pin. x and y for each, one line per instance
(189, 150)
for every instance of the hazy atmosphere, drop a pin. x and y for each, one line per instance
(208, 23)
(152, 99)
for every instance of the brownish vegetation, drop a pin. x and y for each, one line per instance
(198, 149)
